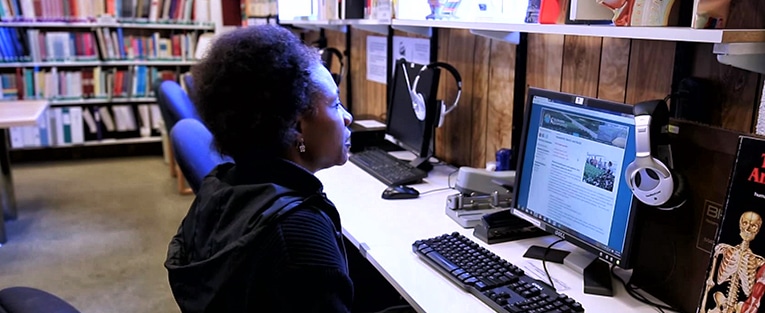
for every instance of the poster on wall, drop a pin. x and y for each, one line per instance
(415, 50)
(377, 56)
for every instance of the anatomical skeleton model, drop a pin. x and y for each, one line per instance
(738, 267)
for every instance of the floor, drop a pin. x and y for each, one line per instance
(95, 233)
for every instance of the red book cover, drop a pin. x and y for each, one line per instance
(735, 279)
(38, 7)
(111, 7)
(73, 10)
(79, 45)
(117, 92)
(87, 44)
(41, 44)
(176, 45)
(20, 84)
(87, 83)
(168, 75)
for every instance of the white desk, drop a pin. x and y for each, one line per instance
(384, 231)
(12, 114)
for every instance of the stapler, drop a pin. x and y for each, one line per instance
(480, 192)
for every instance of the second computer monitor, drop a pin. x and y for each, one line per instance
(570, 171)
(402, 124)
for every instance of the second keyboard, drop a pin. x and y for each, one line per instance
(387, 168)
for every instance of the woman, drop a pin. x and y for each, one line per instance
(260, 235)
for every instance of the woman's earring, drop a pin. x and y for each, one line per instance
(301, 145)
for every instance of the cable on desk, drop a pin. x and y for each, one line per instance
(434, 190)
(544, 262)
(449, 179)
(449, 183)
(632, 290)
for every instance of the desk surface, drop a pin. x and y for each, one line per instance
(21, 112)
(384, 231)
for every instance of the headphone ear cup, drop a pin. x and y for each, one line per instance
(418, 104)
(678, 192)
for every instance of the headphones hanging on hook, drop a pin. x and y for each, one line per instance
(326, 57)
(418, 100)
(649, 179)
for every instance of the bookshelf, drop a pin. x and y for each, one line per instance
(741, 48)
(95, 62)
(136, 25)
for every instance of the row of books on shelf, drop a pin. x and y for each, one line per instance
(133, 82)
(75, 125)
(337, 9)
(34, 45)
(184, 11)
(260, 8)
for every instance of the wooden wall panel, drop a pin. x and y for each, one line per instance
(501, 78)
(368, 98)
(614, 63)
(581, 65)
(737, 90)
(650, 70)
(337, 40)
(544, 63)
(454, 138)
(481, 98)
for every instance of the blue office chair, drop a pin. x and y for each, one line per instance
(31, 300)
(175, 105)
(189, 81)
(194, 152)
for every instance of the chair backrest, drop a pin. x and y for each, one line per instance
(189, 82)
(193, 147)
(32, 300)
(175, 103)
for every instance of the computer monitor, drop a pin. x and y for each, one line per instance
(402, 124)
(569, 178)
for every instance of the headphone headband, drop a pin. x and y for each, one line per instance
(455, 74)
(650, 180)
(339, 56)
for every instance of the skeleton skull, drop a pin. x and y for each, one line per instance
(749, 224)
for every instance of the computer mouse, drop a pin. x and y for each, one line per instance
(400, 192)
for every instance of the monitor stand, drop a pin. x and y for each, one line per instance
(422, 163)
(595, 272)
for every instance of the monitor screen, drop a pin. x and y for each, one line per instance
(569, 175)
(402, 124)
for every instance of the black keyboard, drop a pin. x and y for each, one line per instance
(497, 282)
(387, 168)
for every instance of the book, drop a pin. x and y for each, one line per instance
(671, 249)
(735, 278)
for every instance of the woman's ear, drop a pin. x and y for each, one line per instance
(297, 126)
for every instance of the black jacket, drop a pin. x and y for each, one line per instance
(262, 238)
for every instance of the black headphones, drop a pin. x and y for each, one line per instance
(650, 180)
(418, 101)
(326, 57)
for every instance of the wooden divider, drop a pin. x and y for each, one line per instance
(614, 62)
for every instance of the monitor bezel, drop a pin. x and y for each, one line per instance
(425, 148)
(625, 260)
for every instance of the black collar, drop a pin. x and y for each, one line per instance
(277, 171)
